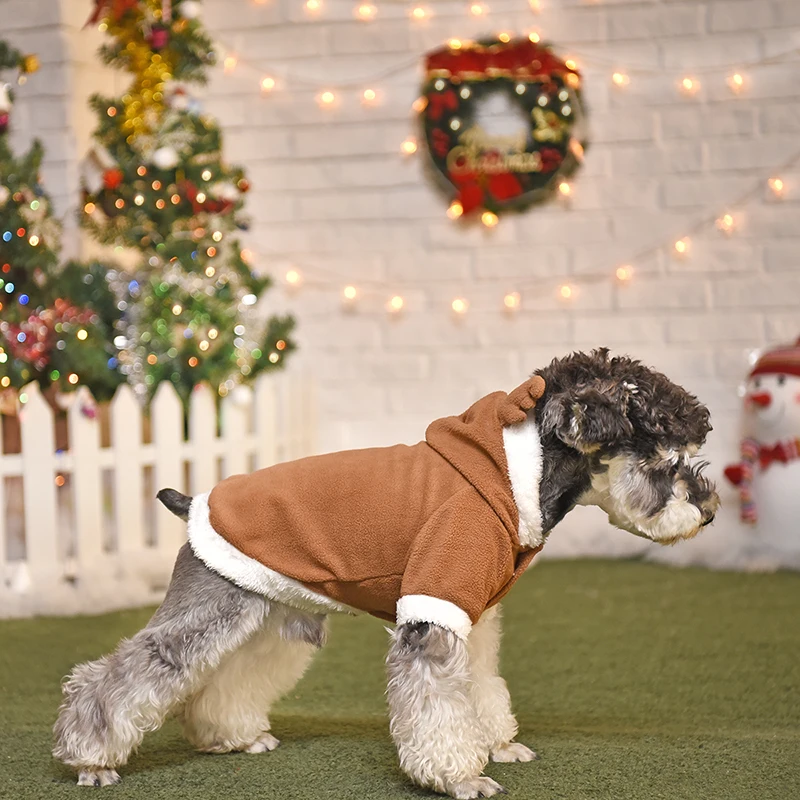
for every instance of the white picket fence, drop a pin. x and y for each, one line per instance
(81, 531)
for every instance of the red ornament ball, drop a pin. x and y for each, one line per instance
(158, 38)
(112, 179)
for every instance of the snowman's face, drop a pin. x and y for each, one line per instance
(772, 403)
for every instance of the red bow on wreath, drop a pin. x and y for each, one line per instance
(117, 8)
(210, 205)
(473, 187)
(438, 103)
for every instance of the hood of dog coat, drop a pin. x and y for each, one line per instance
(481, 445)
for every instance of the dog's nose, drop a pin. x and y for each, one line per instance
(763, 399)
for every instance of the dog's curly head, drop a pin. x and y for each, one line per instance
(637, 432)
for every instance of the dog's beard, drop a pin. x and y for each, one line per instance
(624, 489)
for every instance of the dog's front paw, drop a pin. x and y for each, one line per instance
(264, 744)
(513, 751)
(475, 787)
(98, 776)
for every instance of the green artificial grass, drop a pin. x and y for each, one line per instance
(632, 681)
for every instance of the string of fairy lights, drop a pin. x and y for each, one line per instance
(371, 91)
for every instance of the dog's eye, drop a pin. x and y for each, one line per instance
(781, 380)
(757, 383)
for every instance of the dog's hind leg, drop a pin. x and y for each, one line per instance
(490, 693)
(231, 710)
(111, 703)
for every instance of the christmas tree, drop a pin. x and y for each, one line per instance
(55, 323)
(157, 182)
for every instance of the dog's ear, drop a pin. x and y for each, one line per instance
(589, 418)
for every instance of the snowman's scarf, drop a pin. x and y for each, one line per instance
(749, 512)
(751, 456)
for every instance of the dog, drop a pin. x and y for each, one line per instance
(234, 634)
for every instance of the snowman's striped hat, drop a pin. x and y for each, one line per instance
(784, 360)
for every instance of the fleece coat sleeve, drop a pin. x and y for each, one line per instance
(459, 562)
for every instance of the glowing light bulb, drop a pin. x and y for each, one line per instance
(565, 188)
(455, 210)
(477, 10)
(535, 5)
(409, 146)
(736, 82)
(690, 85)
(777, 186)
(454, 44)
(82, 335)
(624, 273)
(229, 64)
(489, 219)
(504, 37)
(620, 79)
(313, 6)
(460, 305)
(420, 104)
(368, 97)
(89, 208)
(419, 13)
(726, 223)
(138, 199)
(534, 37)
(33, 241)
(570, 63)
(326, 98)
(350, 293)
(566, 292)
(396, 304)
(293, 277)
(512, 301)
(682, 246)
(366, 11)
(73, 379)
(177, 308)
(267, 84)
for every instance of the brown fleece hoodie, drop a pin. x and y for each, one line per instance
(436, 521)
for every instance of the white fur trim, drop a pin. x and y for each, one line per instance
(524, 456)
(423, 608)
(221, 556)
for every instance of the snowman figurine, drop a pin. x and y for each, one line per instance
(768, 475)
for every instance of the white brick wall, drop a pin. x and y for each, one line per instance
(331, 191)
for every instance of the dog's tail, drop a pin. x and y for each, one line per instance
(176, 502)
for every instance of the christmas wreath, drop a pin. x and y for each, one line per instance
(480, 171)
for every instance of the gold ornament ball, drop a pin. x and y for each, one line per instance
(29, 63)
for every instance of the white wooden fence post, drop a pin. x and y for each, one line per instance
(84, 443)
(202, 439)
(266, 421)
(126, 441)
(39, 491)
(167, 440)
(234, 430)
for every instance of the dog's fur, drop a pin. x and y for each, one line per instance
(614, 434)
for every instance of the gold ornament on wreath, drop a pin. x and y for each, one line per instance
(480, 170)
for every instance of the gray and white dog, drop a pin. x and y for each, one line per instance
(613, 433)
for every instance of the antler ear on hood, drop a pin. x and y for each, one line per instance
(519, 402)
